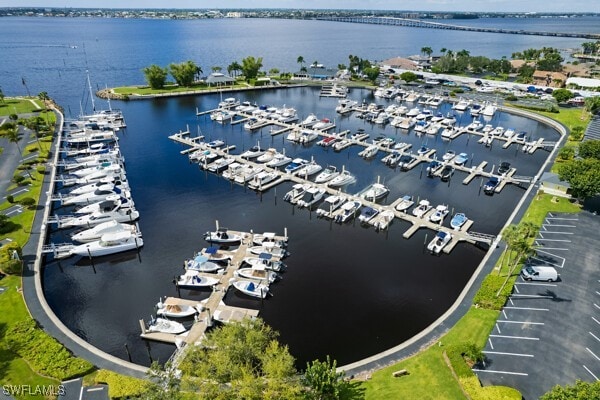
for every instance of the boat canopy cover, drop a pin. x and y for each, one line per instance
(211, 250)
(265, 256)
(250, 286)
(200, 259)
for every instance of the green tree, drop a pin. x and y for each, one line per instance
(552, 61)
(251, 66)
(408, 76)
(590, 149)
(274, 71)
(562, 95)
(184, 72)
(579, 391)
(241, 361)
(342, 67)
(155, 76)
(592, 104)
(300, 60)
(216, 68)
(234, 68)
(1, 96)
(372, 73)
(427, 50)
(583, 175)
(518, 245)
(163, 384)
(322, 380)
(566, 153)
(577, 133)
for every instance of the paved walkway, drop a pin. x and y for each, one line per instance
(34, 294)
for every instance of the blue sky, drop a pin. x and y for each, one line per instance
(425, 5)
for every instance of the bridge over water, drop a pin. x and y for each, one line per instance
(417, 23)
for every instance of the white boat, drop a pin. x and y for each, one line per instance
(421, 209)
(458, 220)
(269, 248)
(119, 214)
(475, 125)
(407, 123)
(232, 170)
(95, 233)
(221, 164)
(327, 174)
(345, 105)
(267, 156)
(221, 116)
(489, 110)
(323, 124)
(433, 129)
(192, 279)
(367, 213)
(95, 148)
(112, 202)
(307, 136)
(101, 193)
(107, 167)
(261, 179)
(279, 160)
(269, 237)
(92, 162)
(295, 193)
(406, 202)
(265, 260)
(440, 213)
(90, 187)
(213, 254)
(288, 115)
(497, 131)
(424, 115)
(215, 144)
(295, 165)
(101, 136)
(374, 192)
(259, 273)
(229, 102)
(487, 128)
(450, 120)
(462, 105)
(222, 236)
(369, 152)
(308, 169)
(344, 178)
(385, 219)
(309, 121)
(449, 155)
(509, 133)
(109, 243)
(331, 203)
(252, 152)
(413, 112)
(254, 123)
(165, 326)
(347, 211)
(311, 196)
(173, 310)
(200, 263)
(250, 288)
(247, 173)
(422, 126)
(461, 159)
(439, 242)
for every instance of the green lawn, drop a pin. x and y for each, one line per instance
(146, 90)
(19, 106)
(570, 117)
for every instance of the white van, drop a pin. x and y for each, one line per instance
(539, 273)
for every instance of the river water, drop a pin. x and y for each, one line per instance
(349, 292)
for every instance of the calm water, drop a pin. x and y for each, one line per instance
(349, 292)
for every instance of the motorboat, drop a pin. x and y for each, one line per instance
(261, 179)
(449, 155)
(508, 133)
(92, 162)
(91, 137)
(101, 193)
(407, 123)
(489, 110)
(216, 144)
(110, 203)
(200, 263)
(229, 102)
(367, 213)
(267, 156)
(439, 242)
(433, 129)
(221, 164)
(413, 112)
(295, 193)
(308, 169)
(213, 255)
(323, 124)
(309, 121)
(102, 175)
(497, 131)
(311, 196)
(461, 159)
(344, 178)
(163, 325)
(258, 273)
(94, 148)
(347, 211)
(475, 125)
(232, 170)
(107, 167)
(193, 279)
(252, 152)
(222, 235)
(271, 248)
(359, 135)
(420, 210)
(385, 219)
(422, 126)
(327, 174)
(295, 165)
(504, 167)
(265, 260)
(345, 105)
(424, 115)
(331, 203)
(171, 309)
(458, 220)
(109, 243)
(254, 123)
(247, 173)
(279, 160)
(307, 136)
(438, 117)
(487, 128)
(423, 150)
(391, 160)
(405, 203)
(433, 166)
(269, 237)
(203, 156)
(369, 152)
(221, 116)
(462, 105)
(90, 187)
(374, 192)
(440, 213)
(327, 141)
(95, 233)
(251, 288)
(491, 185)
(341, 144)
(119, 214)
(446, 172)
(450, 120)
(405, 161)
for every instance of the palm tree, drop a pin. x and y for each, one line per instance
(314, 66)
(1, 96)
(300, 60)
(13, 136)
(427, 50)
(45, 98)
(443, 50)
(198, 73)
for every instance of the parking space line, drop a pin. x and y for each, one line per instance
(30, 157)
(535, 284)
(597, 306)
(20, 191)
(490, 342)
(564, 226)
(592, 353)
(597, 292)
(511, 302)
(17, 210)
(541, 296)
(590, 372)
(554, 240)
(508, 354)
(498, 328)
(528, 308)
(596, 321)
(555, 248)
(520, 322)
(560, 233)
(549, 263)
(594, 336)
(564, 219)
(515, 337)
(516, 288)
(502, 372)
(504, 313)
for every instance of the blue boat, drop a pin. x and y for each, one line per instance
(458, 220)
(461, 159)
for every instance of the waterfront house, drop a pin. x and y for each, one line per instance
(549, 78)
(550, 183)
(219, 79)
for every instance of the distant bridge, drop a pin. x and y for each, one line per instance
(417, 23)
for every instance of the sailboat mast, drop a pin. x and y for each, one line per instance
(90, 89)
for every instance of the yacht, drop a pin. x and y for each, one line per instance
(309, 121)
(367, 213)
(261, 179)
(369, 152)
(247, 173)
(344, 178)
(279, 160)
(311, 196)
(100, 193)
(109, 243)
(95, 233)
(308, 169)
(330, 204)
(221, 164)
(345, 105)
(475, 125)
(267, 155)
(327, 174)
(374, 192)
(221, 116)
(462, 105)
(449, 155)
(458, 220)
(489, 110)
(308, 136)
(117, 213)
(295, 165)
(440, 213)
(347, 211)
(295, 193)
(253, 152)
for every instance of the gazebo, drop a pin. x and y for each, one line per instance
(219, 79)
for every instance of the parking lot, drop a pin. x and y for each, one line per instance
(548, 333)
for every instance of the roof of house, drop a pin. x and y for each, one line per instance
(538, 74)
(550, 177)
(584, 82)
(400, 62)
(217, 77)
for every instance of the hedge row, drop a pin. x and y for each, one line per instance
(475, 391)
(486, 296)
(43, 353)
(121, 386)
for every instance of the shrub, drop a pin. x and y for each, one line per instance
(566, 153)
(511, 97)
(486, 296)
(475, 391)
(577, 133)
(10, 198)
(28, 202)
(18, 179)
(8, 262)
(43, 353)
(121, 386)
(40, 169)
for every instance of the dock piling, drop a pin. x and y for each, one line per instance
(128, 354)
